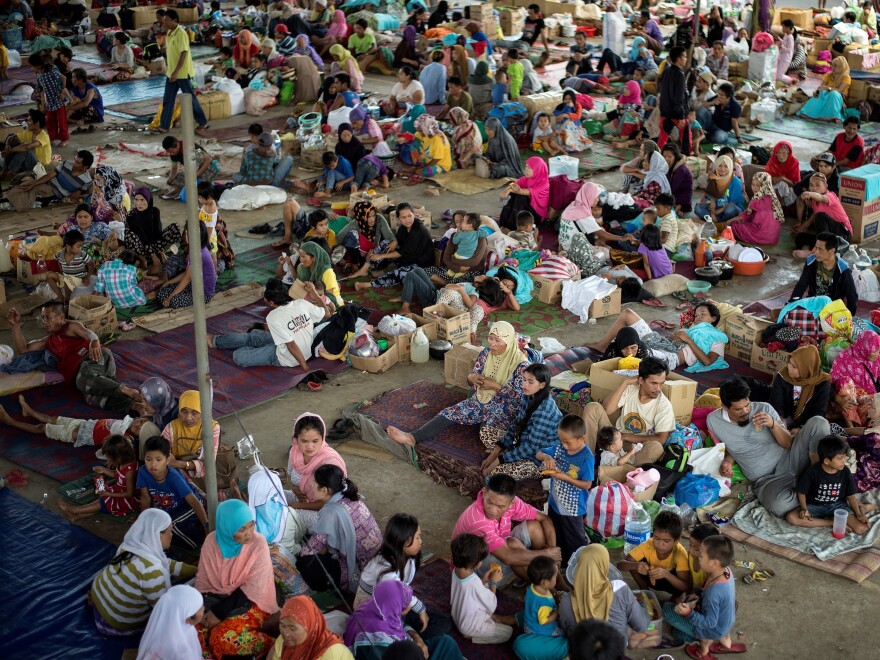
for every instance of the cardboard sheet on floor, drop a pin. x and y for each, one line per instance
(44, 610)
(466, 182)
(168, 319)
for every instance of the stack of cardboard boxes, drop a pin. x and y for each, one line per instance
(484, 14)
(744, 337)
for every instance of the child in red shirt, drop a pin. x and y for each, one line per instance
(117, 499)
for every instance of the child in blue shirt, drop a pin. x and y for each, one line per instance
(714, 612)
(499, 89)
(570, 464)
(543, 636)
(337, 176)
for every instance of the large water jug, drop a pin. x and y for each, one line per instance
(668, 504)
(637, 529)
(851, 256)
(418, 347)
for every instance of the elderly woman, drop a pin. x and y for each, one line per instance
(466, 138)
(830, 98)
(304, 634)
(345, 62)
(497, 379)
(235, 577)
(434, 155)
(800, 390)
(124, 592)
(596, 596)
(274, 59)
(785, 170)
(855, 375)
(655, 181)
(530, 192)
(502, 156)
(681, 180)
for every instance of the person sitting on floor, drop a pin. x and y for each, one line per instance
(661, 562)
(69, 180)
(23, 150)
(261, 166)
(207, 167)
(304, 633)
(828, 215)
(178, 291)
(827, 274)
(801, 390)
(849, 147)
(89, 106)
(117, 279)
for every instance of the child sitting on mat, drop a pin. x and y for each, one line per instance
(661, 559)
(116, 499)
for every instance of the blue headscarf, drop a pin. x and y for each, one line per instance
(232, 515)
(634, 50)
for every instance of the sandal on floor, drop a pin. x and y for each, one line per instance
(662, 325)
(653, 302)
(309, 386)
(759, 576)
(260, 229)
(341, 429)
(694, 651)
(315, 202)
(414, 179)
(735, 647)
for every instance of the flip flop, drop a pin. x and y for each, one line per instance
(694, 651)
(315, 202)
(306, 386)
(735, 647)
(662, 325)
(653, 302)
(414, 179)
(759, 576)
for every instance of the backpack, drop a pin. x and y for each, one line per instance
(760, 155)
(336, 332)
(668, 479)
(512, 115)
(675, 458)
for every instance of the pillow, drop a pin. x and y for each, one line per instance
(668, 284)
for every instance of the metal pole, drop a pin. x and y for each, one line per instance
(199, 324)
(696, 31)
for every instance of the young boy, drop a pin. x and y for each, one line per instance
(209, 214)
(467, 237)
(320, 223)
(664, 205)
(526, 233)
(119, 281)
(715, 611)
(610, 440)
(254, 133)
(697, 132)
(541, 613)
(77, 267)
(499, 89)
(570, 464)
(695, 549)
(544, 138)
(165, 488)
(516, 73)
(473, 598)
(337, 176)
(662, 559)
(827, 486)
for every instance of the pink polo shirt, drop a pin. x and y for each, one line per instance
(834, 209)
(473, 520)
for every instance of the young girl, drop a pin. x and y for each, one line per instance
(655, 260)
(543, 136)
(485, 295)
(117, 499)
(308, 452)
(77, 267)
(53, 96)
(208, 213)
(472, 597)
(118, 280)
(571, 132)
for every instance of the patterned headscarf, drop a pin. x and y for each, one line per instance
(114, 187)
(427, 125)
(765, 182)
(360, 213)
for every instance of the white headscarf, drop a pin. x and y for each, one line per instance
(265, 498)
(143, 539)
(657, 172)
(168, 636)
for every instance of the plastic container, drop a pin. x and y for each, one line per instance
(568, 30)
(688, 516)
(668, 504)
(838, 531)
(12, 38)
(564, 165)
(697, 286)
(588, 30)
(418, 347)
(637, 529)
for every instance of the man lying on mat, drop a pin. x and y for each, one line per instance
(82, 360)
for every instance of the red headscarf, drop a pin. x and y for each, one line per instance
(790, 169)
(303, 610)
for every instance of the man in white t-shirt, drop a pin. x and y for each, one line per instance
(646, 415)
(291, 330)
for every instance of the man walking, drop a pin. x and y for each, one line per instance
(180, 73)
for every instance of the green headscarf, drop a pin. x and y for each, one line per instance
(481, 75)
(409, 121)
(321, 265)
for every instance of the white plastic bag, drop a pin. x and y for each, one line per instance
(762, 66)
(236, 95)
(577, 296)
(337, 117)
(549, 345)
(6, 352)
(708, 461)
(363, 344)
(14, 58)
(395, 324)
(248, 198)
(866, 284)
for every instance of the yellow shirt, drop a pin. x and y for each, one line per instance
(177, 46)
(335, 652)
(331, 286)
(43, 151)
(330, 237)
(698, 577)
(436, 148)
(677, 561)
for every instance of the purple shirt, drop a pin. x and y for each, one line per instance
(653, 30)
(658, 260)
(209, 273)
(383, 171)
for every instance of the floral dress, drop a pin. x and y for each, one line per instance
(503, 407)
(580, 253)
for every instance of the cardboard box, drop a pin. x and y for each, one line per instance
(216, 105)
(738, 69)
(618, 473)
(860, 197)
(378, 201)
(606, 306)
(858, 92)
(26, 270)
(143, 17)
(873, 93)
(452, 324)
(381, 363)
(764, 360)
(428, 326)
(479, 12)
(802, 18)
(511, 19)
(680, 391)
(565, 404)
(458, 365)
(742, 331)
(156, 67)
(861, 59)
(97, 313)
(8, 128)
(549, 291)
(188, 15)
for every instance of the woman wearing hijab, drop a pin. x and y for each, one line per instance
(761, 222)
(572, 134)
(627, 344)
(349, 146)
(274, 59)
(304, 48)
(855, 375)
(171, 633)
(529, 193)
(800, 390)
(314, 266)
(304, 634)
(633, 174)
(497, 378)
(308, 79)
(681, 180)
(246, 46)
(378, 622)
(434, 155)
(480, 88)
(367, 232)
(830, 98)
(144, 234)
(466, 138)
(596, 596)
(406, 53)
(365, 127)
(344, 61)
(184, 433)
(458, 60)
(282, 526)
(344, 538)
(655, 181)
(412, 247)
(630, 114)
(123, 593)
(439, 15)
(110, 199)
(336, 33)
(724, 194)
(235, 577)
(502, 153)
(785, 170)
(579, 229)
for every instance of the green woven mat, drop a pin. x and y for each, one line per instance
(605, 156)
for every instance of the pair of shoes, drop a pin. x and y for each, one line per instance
(341, 429)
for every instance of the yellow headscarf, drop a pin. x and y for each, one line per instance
(187, 440)
(344, 56)
(501, 367)
(839, 75)
(593, 594)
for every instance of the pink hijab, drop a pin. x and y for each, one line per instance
(632, 94)
(582, 206)
(538, 185)
(338, 27)
(326, 456)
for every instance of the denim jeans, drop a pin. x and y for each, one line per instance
(366, 171)
(282, 169)
(713, 133)
(251, 349)
(730, 211)
(169, 99)
(332, 178)
(418, 286)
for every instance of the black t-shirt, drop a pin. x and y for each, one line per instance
(725, 114)
(819, 487)
(532, 30)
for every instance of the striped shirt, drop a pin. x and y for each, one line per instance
(65, 182)
(125, 593)
(77, 266)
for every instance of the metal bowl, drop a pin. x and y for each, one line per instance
(708, 274)
(438, 348)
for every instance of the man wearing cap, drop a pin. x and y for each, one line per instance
(279, 13)
(284, 43)
(260, 166)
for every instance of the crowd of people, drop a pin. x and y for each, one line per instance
(289, 536)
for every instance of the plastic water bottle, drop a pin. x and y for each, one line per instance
(851, 256)
(418, 347)
(637, 529)
(668, 504)
(688, 516)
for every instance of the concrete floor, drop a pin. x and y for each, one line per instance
(776, 617)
